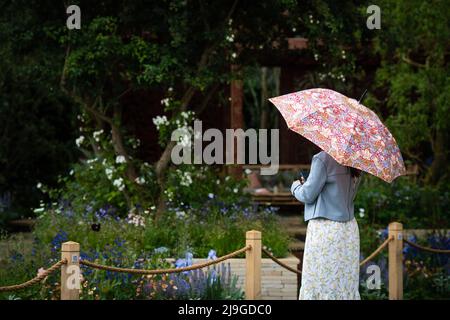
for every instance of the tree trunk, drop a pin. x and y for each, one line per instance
(438, 169)
(264, 96)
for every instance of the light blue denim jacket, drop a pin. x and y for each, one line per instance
(329, 190)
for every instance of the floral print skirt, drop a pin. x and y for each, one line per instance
(331, 261)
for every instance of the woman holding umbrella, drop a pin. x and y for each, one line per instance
(331, 256)
(353, 139)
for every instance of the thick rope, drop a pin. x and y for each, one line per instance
(377, 251)
(164, 271)
(267, 252)
(433, 250)
(36, 279)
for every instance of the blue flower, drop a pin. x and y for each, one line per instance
(212, 255)
(160, 250)
(384, 234)
(180, 263)
(56, 242)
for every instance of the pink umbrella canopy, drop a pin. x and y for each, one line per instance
(348, 131)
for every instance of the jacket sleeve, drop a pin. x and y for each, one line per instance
(310, 190)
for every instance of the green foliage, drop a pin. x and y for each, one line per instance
(215, 227)
(402, 200)
(37, 121)
(193, 184)
(414, 79)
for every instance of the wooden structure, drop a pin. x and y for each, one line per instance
(396, 261)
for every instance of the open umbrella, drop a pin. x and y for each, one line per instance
(348, 131)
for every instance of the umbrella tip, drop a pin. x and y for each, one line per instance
(362, 96)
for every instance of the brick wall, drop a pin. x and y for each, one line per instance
(277, 283)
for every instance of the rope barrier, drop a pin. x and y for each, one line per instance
(164, 271)
(377, 251)
(267, 252)
(36, 279)
(433, 250)
(370, 257)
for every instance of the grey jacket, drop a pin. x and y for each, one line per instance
(329, 190)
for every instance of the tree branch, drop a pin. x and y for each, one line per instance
(413, 63)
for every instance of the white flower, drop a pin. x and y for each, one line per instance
(140, 180)
(210, 195)
(186, 179)
(165, 102)
(248, 171)
(361, 212)
(135, 143)
(234, 55)
(316, 57)
(38, 210)
(97, 135)
(235, 190)
(186, 114)
(160, 121)
(121, 159)
(39, 185)
(71, 172)
(170, 89)
(230, 38)
(118, 183)
(109, 173)
(79, 141)
(136, 220)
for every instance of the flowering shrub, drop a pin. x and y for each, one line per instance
(191, 185)
(216, 282)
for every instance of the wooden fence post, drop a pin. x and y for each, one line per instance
(70, 272)
(396, 261)
(253, 266)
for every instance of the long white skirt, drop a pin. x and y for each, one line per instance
(331, 261)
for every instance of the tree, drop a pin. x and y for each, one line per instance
(414, 79)
(37, 121)
(182, 48)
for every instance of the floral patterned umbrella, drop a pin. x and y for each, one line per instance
(348, 131)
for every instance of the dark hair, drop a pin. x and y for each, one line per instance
(355, 173)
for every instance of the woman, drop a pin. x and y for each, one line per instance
(331, 256)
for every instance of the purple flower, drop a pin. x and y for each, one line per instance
(212, 255)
